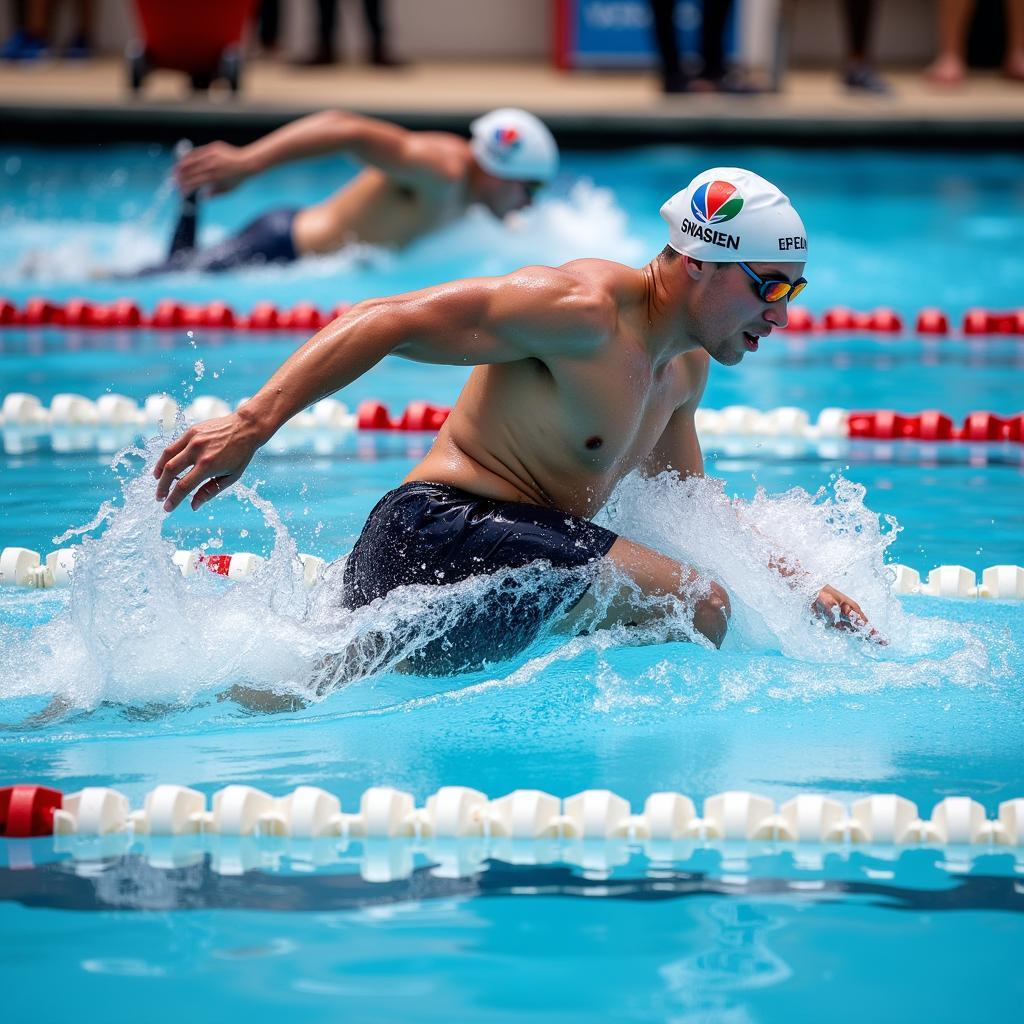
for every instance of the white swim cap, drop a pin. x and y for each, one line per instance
(513, 144)
(727, 214)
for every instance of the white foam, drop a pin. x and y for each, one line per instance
(586, 221)
(134, 632)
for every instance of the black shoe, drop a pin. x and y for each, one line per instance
(674, 82)
(866, 79)
(383, 59)
(322, 57)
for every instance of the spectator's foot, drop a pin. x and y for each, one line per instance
(319, 58)
(384, 59)
(863, 78)
(79, 48)
(735, 83)
(946, 71)
(1014, 67)
(23, 46)
(674, 82)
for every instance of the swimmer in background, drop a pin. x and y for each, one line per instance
(582, 374)
(414, 183)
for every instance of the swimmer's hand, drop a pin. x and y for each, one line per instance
(842, 612)
(219, 165)
(216, 451)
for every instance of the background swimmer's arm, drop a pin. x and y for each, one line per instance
(412, 157)
(533, 313)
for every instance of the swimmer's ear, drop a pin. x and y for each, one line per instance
(695, 268)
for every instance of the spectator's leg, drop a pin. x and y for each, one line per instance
(716, 14)
(29, 38)
(1013, 64)
(270, 24)
(81, 40)
(859, 74)
(327, 19)
(949, 66)
(326, 22)
(672, 77)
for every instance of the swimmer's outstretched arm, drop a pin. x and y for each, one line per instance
(411, 157)
(679, 449)
(532, 313)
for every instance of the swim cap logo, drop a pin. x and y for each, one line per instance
(504, 143)
(715, 202)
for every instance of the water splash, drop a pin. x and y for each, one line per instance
(134, 632)
(584, 221)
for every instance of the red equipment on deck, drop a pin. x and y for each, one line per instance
(202, 39)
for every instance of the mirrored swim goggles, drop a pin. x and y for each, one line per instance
(774, 289)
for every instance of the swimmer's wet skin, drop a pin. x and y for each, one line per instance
(414, 183)
(583, 373)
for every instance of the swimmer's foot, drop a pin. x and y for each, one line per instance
(262, 701)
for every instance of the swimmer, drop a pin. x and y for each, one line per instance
(582, 374)
(415, 183)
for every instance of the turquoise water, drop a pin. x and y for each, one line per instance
(141, 656)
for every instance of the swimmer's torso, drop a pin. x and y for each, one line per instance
(377, 209)
(564, 431)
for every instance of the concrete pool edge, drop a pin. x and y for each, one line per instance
(47, 123)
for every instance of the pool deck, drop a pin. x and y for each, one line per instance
(66, 101)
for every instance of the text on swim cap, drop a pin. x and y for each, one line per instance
(719, 238)
(793, 242)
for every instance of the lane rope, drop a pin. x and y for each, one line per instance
(25, 568)
(171, 314)
(524, 815)
(67, 413)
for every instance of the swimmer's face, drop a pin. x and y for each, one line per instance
(730, 317)
(502, 196)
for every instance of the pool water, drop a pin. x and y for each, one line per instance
(140, 656)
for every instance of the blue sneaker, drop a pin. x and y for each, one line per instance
(78, 48)
(865, 79)
(23, 46)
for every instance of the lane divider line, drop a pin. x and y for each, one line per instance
(25, 414)
(23, 567)
(172, 314)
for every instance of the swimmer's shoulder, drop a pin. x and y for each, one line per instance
(575, 302)
(446, 159)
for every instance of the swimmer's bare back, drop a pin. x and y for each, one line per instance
(376, 209)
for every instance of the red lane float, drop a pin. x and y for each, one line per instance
(28, 810)
(170, 314)
(885, 424)
(932, 321)
(418, 416)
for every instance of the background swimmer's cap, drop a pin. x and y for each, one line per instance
(513, 144)
(727, 214)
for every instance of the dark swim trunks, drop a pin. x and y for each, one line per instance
(435, 534)
(268, 239)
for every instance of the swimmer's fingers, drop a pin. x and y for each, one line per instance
(843, 613)
(171, 462)
(219, 164)
(184, 487)
(213, 487)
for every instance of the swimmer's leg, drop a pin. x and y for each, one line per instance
(184, 237)
(654, 575)
(268, 239)
(262, 701)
